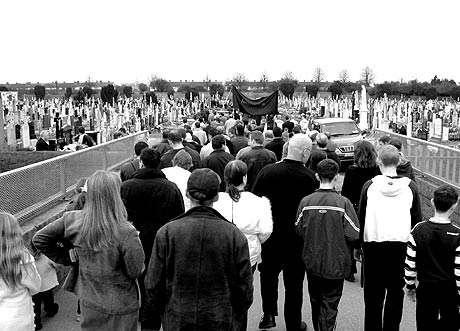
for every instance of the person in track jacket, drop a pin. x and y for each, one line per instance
(326, 221)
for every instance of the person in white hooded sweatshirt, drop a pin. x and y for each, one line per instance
(389, 208)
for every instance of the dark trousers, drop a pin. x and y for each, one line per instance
(325, 296)
(437, 307)
(147, 317)
(244, 323)
(383, 285)
(293, 276)
(47, 298)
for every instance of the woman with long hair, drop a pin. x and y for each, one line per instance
(250, 213)
(364, 168)
(19, 278)
(108, 252)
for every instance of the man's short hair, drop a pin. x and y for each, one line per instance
(139, 147)
(444, 197)
(321, 140)
(166, 134)
(81, 130)
(277, 132)
(327, 169)
(150, 158)
(197, 125)
(384, 140)
(212, 131)
(297, 129)
(239, 129)
(396, 143)
(257, 137)
(389, 156)
(218, 141)
(175, 136)
(183, 133)
(268, 134)
(182, 159)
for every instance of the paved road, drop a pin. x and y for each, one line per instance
(350, 318)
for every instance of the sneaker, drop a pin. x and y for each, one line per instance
(50, 312)
(267, 321)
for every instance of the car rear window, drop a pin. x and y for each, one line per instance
(340, 128)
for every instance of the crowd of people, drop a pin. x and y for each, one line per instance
(173, 240)
(60, 120)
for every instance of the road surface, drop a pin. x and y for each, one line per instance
(350, 317)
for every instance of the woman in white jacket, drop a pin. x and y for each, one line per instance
(250, 213)
(19, 278)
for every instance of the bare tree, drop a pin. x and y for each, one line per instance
(367, 76)
(344, 76)
(239, 79)
(264, 80)
(288, 75)
(318, 75)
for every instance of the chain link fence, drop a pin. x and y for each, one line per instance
(439, 161)
(27, 191)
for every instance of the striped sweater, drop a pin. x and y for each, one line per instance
(433, 254)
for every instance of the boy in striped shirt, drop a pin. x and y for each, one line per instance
(433, 258)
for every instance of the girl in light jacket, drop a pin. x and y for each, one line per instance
(108, 252)
(250, 213)
(19, 278)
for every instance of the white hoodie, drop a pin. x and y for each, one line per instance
(388, 210)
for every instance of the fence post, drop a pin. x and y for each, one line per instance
(62, 185)
(2, 130)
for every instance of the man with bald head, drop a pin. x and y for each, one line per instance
(285, 183)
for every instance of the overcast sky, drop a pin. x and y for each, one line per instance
(128, 41)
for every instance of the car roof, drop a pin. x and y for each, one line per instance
(333, 120)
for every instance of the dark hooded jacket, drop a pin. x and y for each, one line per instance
(405, 169)
(151, 201)
(199, 276)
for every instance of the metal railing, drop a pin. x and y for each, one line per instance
(29, 190)
(436, 160)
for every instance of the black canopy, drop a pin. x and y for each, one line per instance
(255, 107)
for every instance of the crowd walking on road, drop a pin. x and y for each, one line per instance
(174, 239)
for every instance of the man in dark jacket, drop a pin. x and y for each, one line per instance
(404, 168)
(218, 159)
(42, 145)
(322, 152)
(285, 184)
(276, 145)
(199, 276)
(327, 223)
(175, 140)
(239, 141)
(256, 157)
(129, 168)
(163, 146)
(151, 201)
